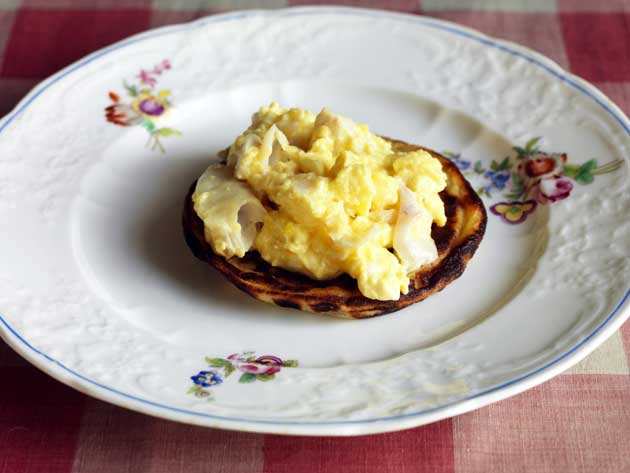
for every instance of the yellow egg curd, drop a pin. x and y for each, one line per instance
(322, 195)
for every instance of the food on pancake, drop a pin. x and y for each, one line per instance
(305, 201)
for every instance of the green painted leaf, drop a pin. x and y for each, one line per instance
(571, 170)
(505, 164)
(520, 151)
(247, 378)
(494, 165)
(584, 178)
(517, 191)
(517, 180)
(168, 132)
(193, 389)
(217, 362)
(530, 145)
(229, 369)
(290, 363)
(479, 167)
(265, 377)
(131, 89)
(149, 125)
(588, 166)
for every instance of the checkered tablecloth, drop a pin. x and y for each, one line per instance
(579, 421)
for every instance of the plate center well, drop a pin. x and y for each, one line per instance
(129, 244)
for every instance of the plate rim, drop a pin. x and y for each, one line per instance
(93, 388)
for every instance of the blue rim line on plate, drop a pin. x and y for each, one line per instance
(438, 24)
(336, 422)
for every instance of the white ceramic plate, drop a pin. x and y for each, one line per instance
(98, 288)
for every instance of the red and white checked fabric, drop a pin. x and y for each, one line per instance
(579, 421)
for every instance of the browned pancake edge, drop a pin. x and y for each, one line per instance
(456, 242)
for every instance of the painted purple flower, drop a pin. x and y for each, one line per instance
(151, 107)
(514, 212)
(552, 190)
(207, 378)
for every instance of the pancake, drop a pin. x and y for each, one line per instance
(456, 243)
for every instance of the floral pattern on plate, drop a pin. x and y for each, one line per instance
(252, 368)
(145, 107)
(534, 177)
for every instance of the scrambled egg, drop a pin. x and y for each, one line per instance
(322, 195)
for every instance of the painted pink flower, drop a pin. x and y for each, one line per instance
(163, 66)
(267, 364)
(251, 368)
(146, 78)
(272, 363)
(552, 190)
(257, 368)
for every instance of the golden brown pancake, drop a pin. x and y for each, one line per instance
(456, 242)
